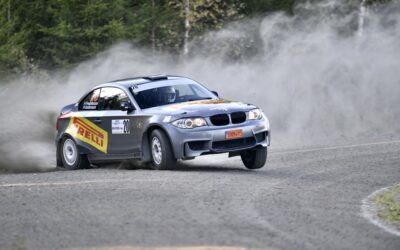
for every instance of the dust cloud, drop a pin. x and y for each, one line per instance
(317, 77)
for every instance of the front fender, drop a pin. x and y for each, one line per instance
(146, 155)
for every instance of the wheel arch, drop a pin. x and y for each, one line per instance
(82, 160)
(83, 150)
(146, 141)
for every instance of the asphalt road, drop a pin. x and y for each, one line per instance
(304, 199)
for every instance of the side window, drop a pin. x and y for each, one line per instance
(91, 101)
(111, 99)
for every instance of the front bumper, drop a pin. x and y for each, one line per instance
(189, 143)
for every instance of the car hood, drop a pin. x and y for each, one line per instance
(202, 108)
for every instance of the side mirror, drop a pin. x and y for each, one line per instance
(215, 93)
(127, 106)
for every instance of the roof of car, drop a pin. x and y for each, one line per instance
(128, 82)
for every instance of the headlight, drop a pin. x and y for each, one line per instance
(190, 123)
(255, 114)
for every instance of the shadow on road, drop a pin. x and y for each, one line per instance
(208, 168)
(181, 166)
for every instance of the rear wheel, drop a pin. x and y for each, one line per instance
(70, 157)
(161, 151)
(254, 158)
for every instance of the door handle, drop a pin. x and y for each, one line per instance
(97, 121)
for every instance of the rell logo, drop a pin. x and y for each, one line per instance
(86, 131)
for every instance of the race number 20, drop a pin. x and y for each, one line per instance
(120, 126)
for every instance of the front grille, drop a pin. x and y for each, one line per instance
(223, 119)
(233, 144)
(220, 120)
(238, 117)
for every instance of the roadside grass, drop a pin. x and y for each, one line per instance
(389, 202)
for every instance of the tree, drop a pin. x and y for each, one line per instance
(77, 30)
(201, 15)
(261, 6)
(48, 34)
(17, 32)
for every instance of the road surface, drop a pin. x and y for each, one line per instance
(302, 199)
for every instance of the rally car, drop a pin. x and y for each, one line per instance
(158, 120)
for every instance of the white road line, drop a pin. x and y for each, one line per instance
(67, 183)
(336, 147)
(164, 248)
(369, 211)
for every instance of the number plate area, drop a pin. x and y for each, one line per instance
(233, 134)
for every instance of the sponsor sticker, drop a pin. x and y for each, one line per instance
(86, 131)
(90, 105)
(120, 126)
(139, 125)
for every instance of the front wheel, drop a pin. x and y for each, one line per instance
(254, 158)
(161, 151)
(70, 157)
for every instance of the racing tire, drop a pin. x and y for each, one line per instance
(70, 156)
(162, 157)
(254, 158)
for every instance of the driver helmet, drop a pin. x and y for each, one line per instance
(168, 94)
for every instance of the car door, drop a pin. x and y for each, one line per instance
(118, 123)
(88, 124)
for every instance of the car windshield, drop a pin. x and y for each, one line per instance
(166, 95)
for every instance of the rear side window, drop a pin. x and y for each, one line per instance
(112, 98)
(91, 101)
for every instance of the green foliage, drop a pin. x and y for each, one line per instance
(48, 34)
(261, 6)
(377, 1)
(206, 14)
(154, 24)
